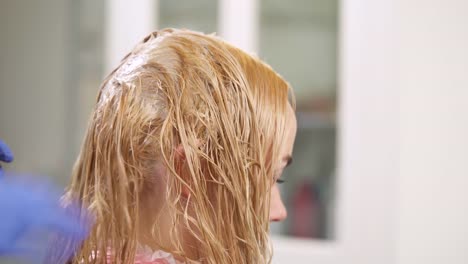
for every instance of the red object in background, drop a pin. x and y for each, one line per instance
(305, 212)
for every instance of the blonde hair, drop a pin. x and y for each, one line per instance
(225, 109)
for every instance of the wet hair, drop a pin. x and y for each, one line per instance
(183, 90)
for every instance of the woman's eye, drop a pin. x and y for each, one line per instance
(279, 181)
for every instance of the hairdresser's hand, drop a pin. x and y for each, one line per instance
(5, 155)
(28, 208)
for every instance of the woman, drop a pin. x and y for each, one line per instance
(179, 163)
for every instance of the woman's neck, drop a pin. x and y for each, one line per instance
(156, 235)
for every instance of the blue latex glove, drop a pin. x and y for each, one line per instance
(28, 208)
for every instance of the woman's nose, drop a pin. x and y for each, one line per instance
(277, 210)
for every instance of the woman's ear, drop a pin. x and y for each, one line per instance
(180, 163)
(180, 153)
(180, 160)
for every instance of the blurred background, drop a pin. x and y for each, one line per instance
(379, 172)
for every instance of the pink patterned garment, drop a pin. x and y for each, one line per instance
(145, 255)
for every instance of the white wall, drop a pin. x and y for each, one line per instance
(433, 75)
